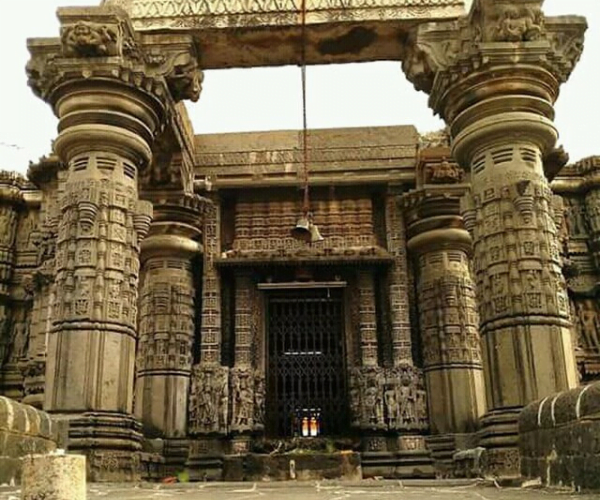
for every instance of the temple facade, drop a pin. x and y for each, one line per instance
(154, 301)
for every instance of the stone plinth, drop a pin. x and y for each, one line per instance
(558, 438)
(300, 467)
(23, 430)
(54, 477)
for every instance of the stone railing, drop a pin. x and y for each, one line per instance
(558, 438)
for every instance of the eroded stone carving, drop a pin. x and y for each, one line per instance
(388, 398)
(85, 39)
(185, 80)
(209, 400)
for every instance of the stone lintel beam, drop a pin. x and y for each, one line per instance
(234, 33)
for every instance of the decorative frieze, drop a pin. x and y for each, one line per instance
(262, 229)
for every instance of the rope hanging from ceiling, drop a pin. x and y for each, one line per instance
(305, 229)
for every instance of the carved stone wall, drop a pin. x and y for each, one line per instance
(262, 228)
(577, 186)
(18, 228)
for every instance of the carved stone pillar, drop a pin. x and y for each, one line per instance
(10, 199)
(398, 283)
(209, 406)
(110, 101)
(449, 323)
(167, 320)
(49, 178)
(494, 76)
(367, 328)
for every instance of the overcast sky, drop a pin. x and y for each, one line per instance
(350, 95)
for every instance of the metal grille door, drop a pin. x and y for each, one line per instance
(306, 368)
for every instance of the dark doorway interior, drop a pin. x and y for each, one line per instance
(306, 393)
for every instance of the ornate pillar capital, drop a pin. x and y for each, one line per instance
(504, 53)
(176, 227)
(100, 42)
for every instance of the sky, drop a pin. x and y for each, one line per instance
(240, 100)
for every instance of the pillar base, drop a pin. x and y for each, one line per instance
(175, 453)
(396, 457)
(444, 446)
(500, 438)
(205, 459)
(112, 443)
(11, 382)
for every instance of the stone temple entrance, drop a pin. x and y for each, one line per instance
(306, 392)
(143, 275)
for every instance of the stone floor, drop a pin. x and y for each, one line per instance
(366, 490)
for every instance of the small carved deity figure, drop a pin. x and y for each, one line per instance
(590, 324)
(445, 172)
(373, 405)
(244, 404)
(259, 401)
(518, 25)
(407, 400)
(391, 405)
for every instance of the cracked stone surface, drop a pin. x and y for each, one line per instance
(315, 491)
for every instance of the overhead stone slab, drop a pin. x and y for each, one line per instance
(242, 33)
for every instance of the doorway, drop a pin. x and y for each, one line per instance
(306, 368)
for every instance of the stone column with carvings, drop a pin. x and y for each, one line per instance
(494, 76)
(449, 322)
(167, 321)
(11, 199)
(111, 101)
(48, 176)
(367, 314)
(209, 406)
(245, 379)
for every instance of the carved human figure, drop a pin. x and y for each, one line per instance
(391, 405)
(590, 324)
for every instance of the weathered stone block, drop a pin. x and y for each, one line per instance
(54, 477)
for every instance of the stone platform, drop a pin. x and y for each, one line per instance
(365, 490)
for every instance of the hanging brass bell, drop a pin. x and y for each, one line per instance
(302, 230)
(315, 235)
(306, 231)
